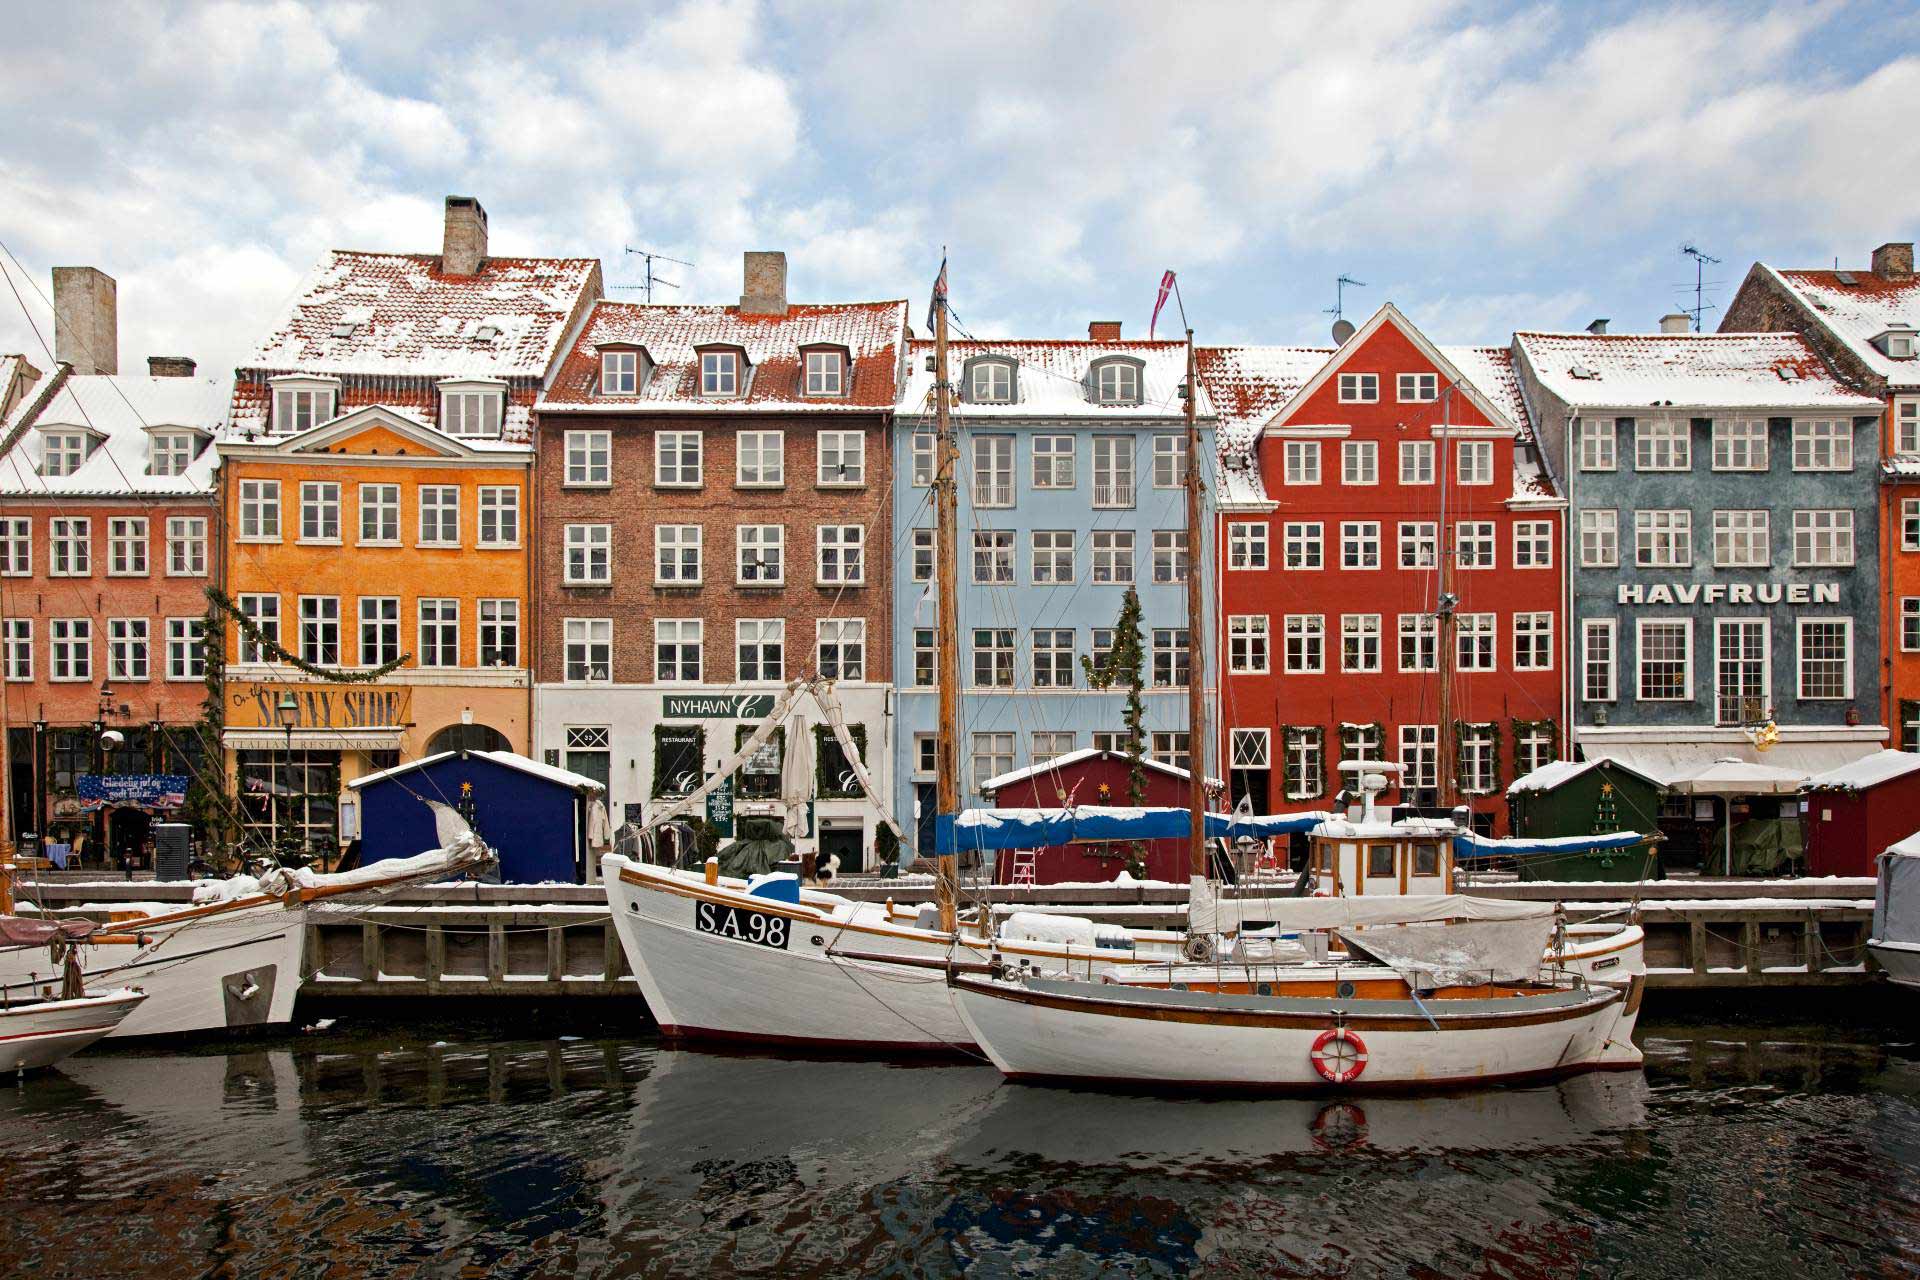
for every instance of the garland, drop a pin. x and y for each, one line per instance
(698, 733)
(1521, 728)
(273, 652)
(823, 738)
(1314, 738)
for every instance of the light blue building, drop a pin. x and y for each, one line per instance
(1072, 463)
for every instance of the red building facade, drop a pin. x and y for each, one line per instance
(1344, 481)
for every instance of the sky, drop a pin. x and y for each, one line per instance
(1486, 167)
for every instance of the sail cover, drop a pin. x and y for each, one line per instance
(1040, 828)
(1380, 909)
(18, 931)
(1468, 845)
(1458, 955)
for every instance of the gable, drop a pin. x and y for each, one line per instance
(375, 427)
(1387, 345)
(375, 438)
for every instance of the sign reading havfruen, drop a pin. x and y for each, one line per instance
(320, 706)
(719, 706)
(1730, 593)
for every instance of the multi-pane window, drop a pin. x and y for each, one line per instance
(320, 630)
(1419, 757)
(1823, 539)
(760, 647)
(1478, 755)
(676, 459)
(1742, 539)
(1419, 544)
(264, 613)
(1359, 388)
(1172, 748)
(1663, 539)
(1360, 544)
(922, 555)
(1247, 643)
(70, 649)
(439, 515)
(760, 458)
(990, 382)
(841, 559)
(1116, 382)
(1113, 471)
(1301, 462)
(297, 409)
(992, 752)
(16, 638)
(1359, 462)
(186, 648)
(1050, 744)
(470, 413)
(499, 516)
(259, 511)
(1826, 658)
(677, 650)
(923, 658)
(127, 546)
(1170, 555)
(1169, 461)
(1533, 544)
(761, 551)
(1663, 444)
(924, 458)
(676, 555)
(127, 649)
(1304, 758)
(1599, 450)
(992, 471)
(1052, 556)
(719, 373)
(993, 556)
(499, 633)
(1419, 388)
(16, 547)
(826, 373)
(1053, 658)
(1360, 642)
(1247, 544)
(1822, 444)
(1300, 545)
(1740, 674)
(1172, 657)
(1906, 426)
(1475, 544)
(1112, 551)
(619, 373)
(1532, 748)
(1533, 642)
(1910, 524)
(1665, 660)
(1599, 538)
(589, 650)
(992, 658)
(379, 630)
(843, 648)
(319, 511)
(380, 514)
(1740, 444)
(62, 452)
(1596, 660)
(1910, 624)
(1416, 462)
(1419, 642)
(1475, 641)
(1053, 458)
(589, 457)
(1476, 462)
(842, 458)
(589, 554)
(1306, 643)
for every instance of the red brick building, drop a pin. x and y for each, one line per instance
(1346, 475)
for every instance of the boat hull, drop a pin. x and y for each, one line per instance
(38, 1035)
(1901, 960)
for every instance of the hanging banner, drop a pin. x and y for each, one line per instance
(141, 790)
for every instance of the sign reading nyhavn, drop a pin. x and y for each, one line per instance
(719, 706)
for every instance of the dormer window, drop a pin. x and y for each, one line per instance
(1897, 343)
(173, 452)
(619, 373)
(990, 382)
(826, 373)
(719, 373)
(300, 404)
(64, 452)
(471, 409)
(1116, 382)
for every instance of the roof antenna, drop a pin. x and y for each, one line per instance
(649, 257)
(1700, 261)
(1342, 327)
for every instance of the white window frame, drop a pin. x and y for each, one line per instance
(63, 452)
(1599, 538)
(1359, 633)
(1055, 460)
(671, 468)
(171, 453)
(1823, 444)
(1800, 629)
(1169, 460)
(826, 373)
(850, 543)
(1533, 544)
(671, 543)
(382, 502)
(1836, 524)
(589, 460)
(993, 557)
(1053, 661)
(1305, 644)
(581, 640)
(1533, 641)
(1476, 641)
(1476, 545)
(1662, 444)
(1741, 444)
(500, 508)
(846, 640)
(255, 607)
(70, 547)
(1300, 462)
(128, 541)
(1641, 627)
(1359, 388)
(587, 555)
(1589, 628)
(16, 649)
(1359, 462)
(498, 630)
(923, 458)
(129, 650)
(16, 547)
(1246, 545)
(993, 470)
(1599, 444)
(440, 506)
(1114, 479)
(1721, 628)
(765, 542)
(758, 473)
(1416, 462)
(1046, 549)
(69, 650)
(759, 635)
(1249, 644)
(848, 451)
(620, 373)
(1418, 634)
(260, 510)
(1748, 532)
(1474, 462)
(319, 615)
(720, 374)
(319, 500)
(1302, 546)
(1663, 538)
(472, 410)
(381, 615)
(1359, 540)
(1417, 388)
(673, 640)
(1112, 553)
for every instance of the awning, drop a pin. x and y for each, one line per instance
(1674, 760)
(375, 738)
(1732, 777)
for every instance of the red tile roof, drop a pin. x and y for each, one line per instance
(1858, 313)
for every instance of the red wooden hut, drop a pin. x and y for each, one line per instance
(1091, 777)
(1857, 810)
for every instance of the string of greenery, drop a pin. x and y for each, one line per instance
(273, 651)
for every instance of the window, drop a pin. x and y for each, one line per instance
(1474, 636)
(677, 650)
(1740, 676)
(499, 633)
(1247, 642)
(1252, 748)
(1246, 544)
(1822, 444)
(16, 547)
(1665, 660)
(379, 630)
(843, 648)
(1533, 544)
(619, 373)
(992, 555)
(922, 551)
(676, 555)
(264, 613)
(439, 515)
(760, 646)
(719, 373)
(1419, 642)
(1419, 388)
(1742, 539)
(1739, 444)
(1053, 658)
(1596, 660)
(993, 471)
(762, 554)
(1910, 524)
(16, 638)
(126, 648)
(992, 754)
(1113, 471)
(1476, 461)
(1906, 427)
(1416, 462)
(1478, 759)
(470, 413)
(841, 550)
(1172, 658)
(1359, 462)
(1599, 539)
(826, 373)
(1169, 555)
(992, 658)
(1663, 539)
(297, 409)
(760, 459)
(319, 511)
(1532, 745)
(71, 540)
(63, 452)
(1050, 744)
(1305, 757)
(186, 648)
(259, 511)
(589, 554)
(1301, 545)
(1533, 642)
(71, 649)
(499, 516)
(1109, 740)
(320, 630)
(1663, 445)
(923, 658)
(1826, 658)
(589, 650)
(1101, 651)
(1475, 544)
(1419, 758)
(589, 457)
(127, 546)
(1360, 642)
(1359, 388)
(1360, 544)
(1112, 555)
(1823, 539)
(1052, 556)
(1172, 749)
(676, 459)
(1300, 462)
(843, 458)
(172, 453)
(924, 462)
(1419, 544)
(1910, 624)
(1598, 445)
(1306, 639)
(1053, 462)
(990, 382)
(1116, 382)
(380, 515)
(1169, 461)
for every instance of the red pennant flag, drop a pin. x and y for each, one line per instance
(1166, 287)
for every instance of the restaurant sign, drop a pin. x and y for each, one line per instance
(695, 706)
(1730, 593)
(140, 790)
(319, 706)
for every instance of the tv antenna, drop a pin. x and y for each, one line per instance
(1700, 262)
(649, 257)
(1342, 327)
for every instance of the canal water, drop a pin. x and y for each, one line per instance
(391, 1151)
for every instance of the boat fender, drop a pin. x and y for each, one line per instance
(1338, 1055)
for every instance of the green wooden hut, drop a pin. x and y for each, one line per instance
(1583, 798)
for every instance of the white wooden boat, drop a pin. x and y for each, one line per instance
(39, 1033)
(1895, 940)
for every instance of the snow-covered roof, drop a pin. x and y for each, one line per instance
(1868, 771)
(1688, 371)
(120, 413)
(15, 369)
(1052, 378)
(511, 760)
(1068, 759)
(1908, 848)
(871, 333)
(1858, 313)
(1555, 772)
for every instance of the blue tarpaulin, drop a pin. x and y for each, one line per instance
(985, 829)
(1473, 846)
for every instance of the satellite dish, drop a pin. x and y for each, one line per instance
(1342, 330)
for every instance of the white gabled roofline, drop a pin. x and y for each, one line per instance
(346, 423)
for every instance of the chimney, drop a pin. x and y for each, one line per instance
(1676, 322)
(1103, 331)
(1598, 326)
(463, 249)
(170, 366)
(86, 319)
(1894, 261)
(763, 284)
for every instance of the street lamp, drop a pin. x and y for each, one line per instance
(287, 711)
(104, 827)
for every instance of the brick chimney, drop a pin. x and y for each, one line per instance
(763, 283)
(170, 366)
(1676, 322)
(463, 249)
(1894, 260)
(86, 319)
(1103, 331)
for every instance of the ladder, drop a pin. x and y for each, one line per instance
(1024, 862)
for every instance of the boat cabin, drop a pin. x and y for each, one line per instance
(1368, 853)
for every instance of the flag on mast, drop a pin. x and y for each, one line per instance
(1166, 287)
(939, 294)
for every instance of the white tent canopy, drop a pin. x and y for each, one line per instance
(1734, 777)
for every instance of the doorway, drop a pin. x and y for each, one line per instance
(845, 844)
(924, 810)
(127, 831)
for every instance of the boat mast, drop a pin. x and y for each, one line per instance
(1196, 648)
(1443, 621)
(946, 559)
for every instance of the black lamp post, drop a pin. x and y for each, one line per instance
(287, 711)
(100, 748)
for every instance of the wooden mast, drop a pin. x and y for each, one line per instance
(1445, 747)
(946, 559)
(1196, 634)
